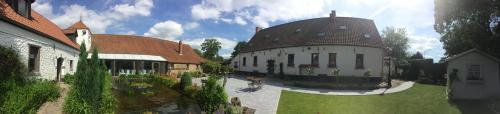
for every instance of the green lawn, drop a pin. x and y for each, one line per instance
(420, 99)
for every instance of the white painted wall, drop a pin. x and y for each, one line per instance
(466, 89)
(81, 37)
(346, 55)
(20, 39)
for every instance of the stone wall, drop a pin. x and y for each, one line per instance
(20, 39)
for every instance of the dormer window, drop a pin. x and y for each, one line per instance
(321, 34)
(342, 27)
(366, 35)
(298, 30)
(22, 7)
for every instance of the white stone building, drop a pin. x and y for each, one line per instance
(42, 45)
(478, 75)
(352, 45)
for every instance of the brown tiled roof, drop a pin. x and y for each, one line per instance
(317, 31)
(72, 29)
(128, 44)
(37, 24)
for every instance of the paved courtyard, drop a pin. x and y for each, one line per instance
(266, 100)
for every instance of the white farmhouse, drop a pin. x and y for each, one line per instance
(42, 46)
(477, 75)
(352, 45)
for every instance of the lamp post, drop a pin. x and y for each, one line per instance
(389, 84)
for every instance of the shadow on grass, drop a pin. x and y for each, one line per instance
(477, 106)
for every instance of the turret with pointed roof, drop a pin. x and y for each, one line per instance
(79, 33)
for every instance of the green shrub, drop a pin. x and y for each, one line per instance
(211, 96)
(69, 78)
(28, 97)
(165, 80)
(89, 92)
(186, 81)
(211, 67)
(10, 65)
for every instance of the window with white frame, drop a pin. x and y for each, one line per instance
(474, 72)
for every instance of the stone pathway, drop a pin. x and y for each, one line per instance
(266, 100)
(55, 107)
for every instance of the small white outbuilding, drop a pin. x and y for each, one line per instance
(477, 75)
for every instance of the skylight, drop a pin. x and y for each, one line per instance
(321, 34)
(367, 35)
(343, 27)
(298, 30)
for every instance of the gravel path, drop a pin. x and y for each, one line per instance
(55, 107)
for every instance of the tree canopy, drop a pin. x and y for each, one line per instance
(467, 24)
(238, 47)
(397, 40)
(211, 48)
(198, 52)
(417, 55)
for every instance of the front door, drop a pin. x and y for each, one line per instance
(281, 69)
(156, 67)
(59, 68)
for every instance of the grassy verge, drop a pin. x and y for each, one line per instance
(27, 97)
(420, 99)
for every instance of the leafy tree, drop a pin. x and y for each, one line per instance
(198, 52)
(417, 55)
(466, 24)
(238, 47)
(397, 40)
(211, 96)
(11, 65)
(211, 48)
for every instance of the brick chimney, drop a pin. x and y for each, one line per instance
(333, 14)
(257, 29)
(180, 47)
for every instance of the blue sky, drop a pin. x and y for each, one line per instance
(231, 21)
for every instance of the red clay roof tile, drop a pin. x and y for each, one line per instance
(37, 24)
(128, 44)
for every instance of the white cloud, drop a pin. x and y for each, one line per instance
(422, 44)
(264, 11)
(227, 45)
(98, 21)
(141, 7)
(191, 25)
(131, 32)
(166, 30)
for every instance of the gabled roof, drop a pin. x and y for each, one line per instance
(38, 24)
(128, 44)
(318, 31)
(72, 29)
(471, 51)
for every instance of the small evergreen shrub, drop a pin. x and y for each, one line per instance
(186, 81)
(211, 96)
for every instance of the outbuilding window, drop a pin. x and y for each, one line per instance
(360, 61)
(474, 72)
(244, 61)
(291, 61)
(254, 60)
(34, 59)
(332, 60)
(315, 59)
(70, 65)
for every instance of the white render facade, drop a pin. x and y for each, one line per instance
(49, 50)
(478, 75)
(345, 60)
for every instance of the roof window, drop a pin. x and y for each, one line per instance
(275, 39)
(298, 30)
(321, 34)
(267, 36)
(366, 35)
(342, 27)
